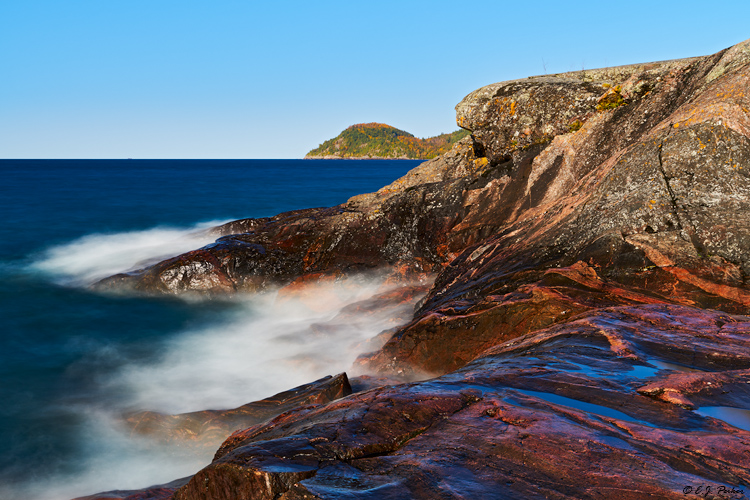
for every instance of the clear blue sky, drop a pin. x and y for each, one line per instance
(248, 79)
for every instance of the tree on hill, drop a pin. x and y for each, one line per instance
(378, 140)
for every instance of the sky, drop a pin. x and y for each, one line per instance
(251, 79)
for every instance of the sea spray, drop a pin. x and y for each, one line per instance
(95, 256)
(65, 349)
(255, 346)
(265, 344)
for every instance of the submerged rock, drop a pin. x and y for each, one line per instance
(586, 334)
(158, 492)
(207, 429)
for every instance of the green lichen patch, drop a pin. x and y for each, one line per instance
(575, 126)
(611, 99)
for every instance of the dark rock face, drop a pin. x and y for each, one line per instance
(586, 334)
(339, 241)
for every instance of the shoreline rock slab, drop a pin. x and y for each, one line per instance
(572, 411)
(586, 335)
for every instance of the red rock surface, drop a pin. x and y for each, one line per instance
(572, 411)
(589, 243)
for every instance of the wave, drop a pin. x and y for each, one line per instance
(261, 345)
(96, 256)
(265, 345)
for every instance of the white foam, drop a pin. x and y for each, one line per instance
(263, 345)
(266, 345)
(96, 256)
(113, 459)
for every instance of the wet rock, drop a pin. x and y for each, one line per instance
(401, 233)
(559, 413)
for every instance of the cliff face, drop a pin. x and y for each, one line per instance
(649, 198)
(589, 241)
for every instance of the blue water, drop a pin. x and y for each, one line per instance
(580, 405)
(737, 417)
(69, 356)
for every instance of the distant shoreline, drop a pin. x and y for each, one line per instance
(329, 157)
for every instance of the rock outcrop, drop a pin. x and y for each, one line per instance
(587, 409)
(586, 334)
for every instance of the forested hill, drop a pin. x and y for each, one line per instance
(377, 140)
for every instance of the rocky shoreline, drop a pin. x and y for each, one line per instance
(587, 332)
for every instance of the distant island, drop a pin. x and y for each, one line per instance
(378, 140)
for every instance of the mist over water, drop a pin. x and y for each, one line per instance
(96, 256)
(255, 347)
(73, 361)
(261, 347)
